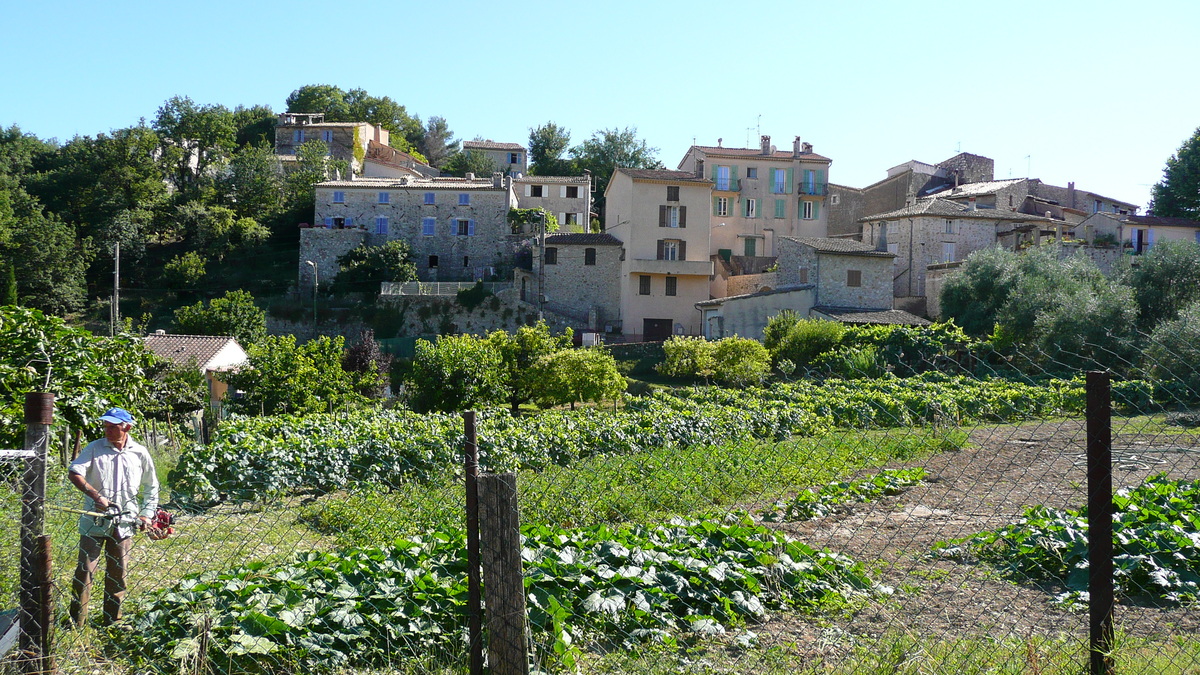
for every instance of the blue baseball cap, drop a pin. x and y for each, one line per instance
(117, 416)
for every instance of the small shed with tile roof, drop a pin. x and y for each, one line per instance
(212, 355)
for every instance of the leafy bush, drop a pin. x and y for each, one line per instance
(1156, 554)
(231, 314)
(364, 267)
(687, 357)
(375, 607)
(472, 297)
(455, 373)
(577, 376)
(740, 362)
(1173, 352)
(800, 340)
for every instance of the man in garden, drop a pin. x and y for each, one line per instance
(116, 474)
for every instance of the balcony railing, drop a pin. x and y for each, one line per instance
(814, 188)
(728, 184)
(437, 287)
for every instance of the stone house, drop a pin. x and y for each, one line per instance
(212, 355)
(510, 158)
(384, 161)
(569, 198)
(346, 141)
(457, 228)
(934, 231)
(761, 194)
(666, 266)
(580, 278)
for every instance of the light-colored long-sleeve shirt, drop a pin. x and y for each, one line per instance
(125, 477)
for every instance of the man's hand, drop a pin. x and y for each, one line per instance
(102, 504)
(143, 522)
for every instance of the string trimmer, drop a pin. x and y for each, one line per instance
(159, 528)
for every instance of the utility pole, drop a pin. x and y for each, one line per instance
(114, 316)
(315, 285)
(541, 265)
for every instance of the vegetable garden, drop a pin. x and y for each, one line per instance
(919, 523)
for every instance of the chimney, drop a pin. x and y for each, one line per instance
(350, 170)
(766, 145)
(971, 202)
(378, 128)
(470, 176)
(1071, 194)
(881, 242)
(796, 147)
(806, 148)
(719, 141)
(497, 180)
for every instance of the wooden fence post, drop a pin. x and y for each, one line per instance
(474, 601)
(35, 613)
(504, 584)
(1100, 509)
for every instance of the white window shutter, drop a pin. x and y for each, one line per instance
(528, 189)
(562, 190)
(562, 219)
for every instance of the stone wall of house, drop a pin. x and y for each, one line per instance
(589, 294)
(873, 291)
(751, 283)
(846, 206)
(556, 199)
(925, 246)
(970, 168)
(324, 246)
(467, 239)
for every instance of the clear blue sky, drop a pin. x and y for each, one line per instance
(1098, 92)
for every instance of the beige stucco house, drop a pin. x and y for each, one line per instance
(761, 194)
(1137, 233)
(666, 268)
(212, 355)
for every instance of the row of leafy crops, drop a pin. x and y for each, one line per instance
(372, 607)
(255, 458)
(1156, 548)
(827, 499)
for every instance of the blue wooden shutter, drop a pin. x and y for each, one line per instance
(328, 221)
(471, 227)
(349, 222)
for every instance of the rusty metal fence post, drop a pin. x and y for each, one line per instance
(1100, 528)
(35, 612)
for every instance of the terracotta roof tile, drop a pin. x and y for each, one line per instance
(840, 246)
(491, 145)
(880, 316)
(183, 350)
(712, 151)
(664, 174)
(583, 238)
(945, 207)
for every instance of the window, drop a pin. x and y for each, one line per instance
(722, 178)
(514, 158)
(672, 193)
(643, 284)
(298, 136)
(750, 247)
(430, 198)
(752, 172)
(572, 192)
(854, 278)
(551, 255)
(672, 285)
(339, 197)
(427, 226)
(571, 218)
(720, 206)
(1096, 206)
(385, 198)
(535, 190)
(464, 199)
(381, 225)
(672, 216)
(433, 262)
(949, 226)
(668, 249)
(465, 228)
(327, 135)
(751, 208)
(803, 274)
(947, 252)
(835, 199)
(779, 181)
(807, 210)
(466, 261)
(589, 256)
(780, 208)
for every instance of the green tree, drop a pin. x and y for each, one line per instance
(519, 352)
(184, 272)
(364, 267)
(437, 143)
(87, 374)
(1178, 193)
(8, 283)
(547, 145)
(312, 167)
(233, 314)
(21, 152)
(253, 182)
(1172, 353)
(472, 161)
(577, 376)
(52, 261)
(357, 105)
(455, 373)
(981, 287)
(740, 362)
(255, 125)
(174, 391)
(687, 357)
(609, 149)
(283, 377)
(193, 138)
(1165, 280)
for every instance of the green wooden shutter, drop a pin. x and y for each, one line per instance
(816, 210)
(715, 205)
(733, 179)
(683, 216)
(820, 181)
(791, 180)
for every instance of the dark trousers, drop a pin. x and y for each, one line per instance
(116, 555)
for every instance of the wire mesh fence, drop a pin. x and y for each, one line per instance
(928, 520)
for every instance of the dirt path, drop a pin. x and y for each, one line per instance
(989, 484)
